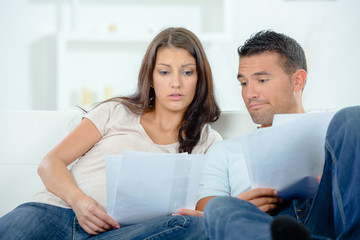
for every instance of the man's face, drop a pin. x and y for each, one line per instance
(266, 88)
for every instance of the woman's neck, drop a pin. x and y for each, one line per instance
(161, 127)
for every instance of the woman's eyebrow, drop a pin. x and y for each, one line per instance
(184, 65)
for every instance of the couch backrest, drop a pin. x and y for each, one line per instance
(233, 124)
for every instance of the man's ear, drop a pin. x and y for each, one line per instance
(299, 78)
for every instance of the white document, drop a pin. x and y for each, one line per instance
(143, 186)
(289, 156)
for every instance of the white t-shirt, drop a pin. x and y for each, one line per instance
(224, 171)
(121, 130)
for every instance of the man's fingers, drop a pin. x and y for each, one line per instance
(268, 208)
(257, 193)
(266, 204)
(265, 200)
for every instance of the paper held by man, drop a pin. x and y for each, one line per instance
(289, 156)
(143, 186)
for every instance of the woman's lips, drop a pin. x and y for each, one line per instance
(176, 96)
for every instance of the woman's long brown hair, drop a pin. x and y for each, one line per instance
(203, 108)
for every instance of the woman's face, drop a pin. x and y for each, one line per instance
(174, 79)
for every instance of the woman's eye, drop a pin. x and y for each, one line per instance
(188, 73)
(164, 72)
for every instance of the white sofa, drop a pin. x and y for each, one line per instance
(26, 136)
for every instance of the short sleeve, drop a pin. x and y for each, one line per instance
(100, 116)
(215, 175)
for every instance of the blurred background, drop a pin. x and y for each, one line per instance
(56, 54)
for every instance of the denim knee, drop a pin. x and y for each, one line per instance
(230, 217)
(344, 131)
(22, 222)
(37, 221)
(225, 202)
(348, 116)
(224, 206)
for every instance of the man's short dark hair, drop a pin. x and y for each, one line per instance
(270, 41)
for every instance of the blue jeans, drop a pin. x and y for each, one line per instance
(333, 213)
(42, 221)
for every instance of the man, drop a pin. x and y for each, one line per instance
(272, 73)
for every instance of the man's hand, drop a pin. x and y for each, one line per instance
(92, 217)
(319, 177)
(189, 212)
(264, 198)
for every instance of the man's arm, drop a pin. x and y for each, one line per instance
(215, 175)
(225, 173)
(202, 202)
(264, 198)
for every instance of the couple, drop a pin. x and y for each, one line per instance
(170, 113)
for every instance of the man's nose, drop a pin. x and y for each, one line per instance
(251, 91)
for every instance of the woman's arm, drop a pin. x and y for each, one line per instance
(58, 180)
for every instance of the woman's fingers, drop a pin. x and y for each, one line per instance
(103, 220)
(190, 212)
(92, 217)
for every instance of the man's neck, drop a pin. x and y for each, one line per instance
(301, 110)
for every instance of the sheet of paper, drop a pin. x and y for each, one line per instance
(288, 156)
(112, 166)
(146, 186)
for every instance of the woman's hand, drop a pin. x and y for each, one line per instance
(189, 212)
(264, 198)
(92, 217)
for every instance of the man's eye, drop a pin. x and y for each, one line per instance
(243, 83)
(188, 73)
(263, 80)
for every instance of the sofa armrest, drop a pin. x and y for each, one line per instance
(26, 136)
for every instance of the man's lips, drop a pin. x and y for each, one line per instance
(257, 105)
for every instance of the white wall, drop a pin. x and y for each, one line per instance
(328, 31)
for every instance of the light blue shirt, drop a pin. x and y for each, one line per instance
(225, 172)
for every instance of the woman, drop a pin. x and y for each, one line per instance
(168, 113)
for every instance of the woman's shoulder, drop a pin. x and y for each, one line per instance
(113, 107)
(108, 110)
(209, 132)
(208, 137)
